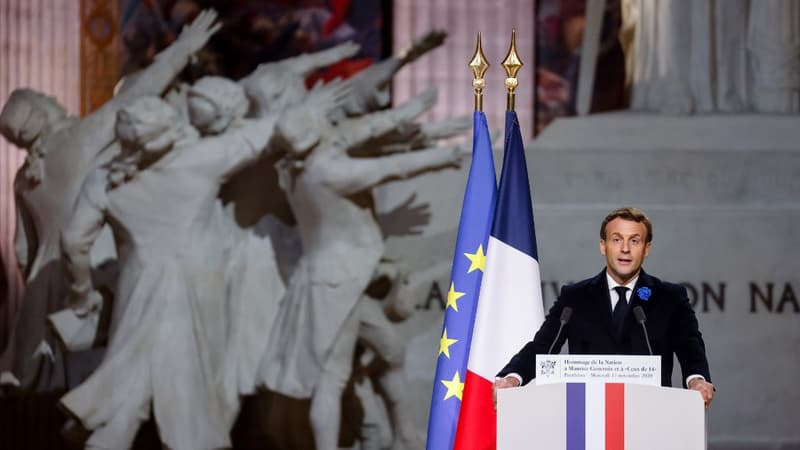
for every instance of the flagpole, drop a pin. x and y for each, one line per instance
(512, 64)
(474, 227)
(479, 66)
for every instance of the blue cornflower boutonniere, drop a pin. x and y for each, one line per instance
(644, 293)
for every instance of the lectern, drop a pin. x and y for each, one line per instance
(600, 416)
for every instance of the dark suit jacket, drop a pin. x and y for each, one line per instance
(671, 325)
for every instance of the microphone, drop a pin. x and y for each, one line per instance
(566, 314)
(638, 313)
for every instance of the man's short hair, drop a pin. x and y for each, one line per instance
(628, 213)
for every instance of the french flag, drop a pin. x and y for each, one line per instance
(510, 308)
(595, 415)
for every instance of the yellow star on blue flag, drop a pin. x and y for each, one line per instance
(445, 343)
(452, 296)
(454, 387)
(477, 260)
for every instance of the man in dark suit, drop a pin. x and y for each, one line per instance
(602, 321)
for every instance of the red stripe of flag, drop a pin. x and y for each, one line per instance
(615, 416)
(477, 423)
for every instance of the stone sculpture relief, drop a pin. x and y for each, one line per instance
(61, 152)
(170, 323)
(329, 192)
(199, 316)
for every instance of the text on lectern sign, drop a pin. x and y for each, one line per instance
(638, 369)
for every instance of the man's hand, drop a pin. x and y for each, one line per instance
(705, 389)
(503, 383)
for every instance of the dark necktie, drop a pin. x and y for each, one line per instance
(620, 309)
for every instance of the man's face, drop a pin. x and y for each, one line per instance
(624, 248)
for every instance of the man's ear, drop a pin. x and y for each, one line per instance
(647, 249)
(603, 247)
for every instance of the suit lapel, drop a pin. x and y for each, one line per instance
(644, 281)
(630, 319)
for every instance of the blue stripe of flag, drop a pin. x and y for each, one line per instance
(513, 223)
(576, 416)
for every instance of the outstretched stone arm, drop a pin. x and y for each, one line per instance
(95, 132)
(229, 152)
(374, 125)
(155, 78)
(77, 237)
(303, 125)
(414, 139)
(422, 45)
(443, 129)
(307, 63)
(253, 135)
(353, 175)
(371, 86)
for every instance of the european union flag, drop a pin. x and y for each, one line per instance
(510, 305)
(477, 213)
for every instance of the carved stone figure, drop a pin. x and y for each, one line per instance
(387, 300)
(731, 56)
(273, 86)
(329, 192)
(276, 85)
(61, 152)
(773, 39)
(690, 56)
(234, 269)
(732, 90)
(372, 86)
(660, 79)
(158, 197)
(253, 194)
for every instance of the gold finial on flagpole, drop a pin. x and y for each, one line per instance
(479, 65)
(512, 64)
